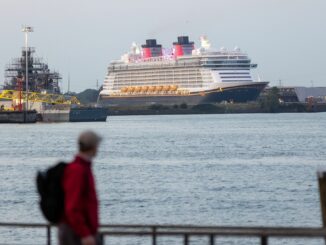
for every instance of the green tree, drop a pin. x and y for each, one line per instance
(270, 102)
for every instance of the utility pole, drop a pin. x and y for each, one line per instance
(68, 83)
(26, 30)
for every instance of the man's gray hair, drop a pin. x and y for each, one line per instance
(88, 140)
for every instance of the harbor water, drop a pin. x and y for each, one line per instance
(228, 170)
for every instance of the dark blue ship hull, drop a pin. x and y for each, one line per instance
(234, 94)
(18, 117)
(88, 114)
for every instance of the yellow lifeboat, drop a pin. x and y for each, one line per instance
(166, 88)
(159, 88)
(144, 89)
(124, 89)
(152, 88)
(131, 89)
(173, 87)
(137, 89)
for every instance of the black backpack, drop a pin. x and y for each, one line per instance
(51, 192)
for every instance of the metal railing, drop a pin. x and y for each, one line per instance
(187, 231)
(46, 227)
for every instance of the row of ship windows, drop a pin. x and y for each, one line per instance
(151, 66)
(223, 80)
(162, 77)
(236, 77)
(180, 64)
(227, 62)
(180, 84)
(126, 83)
(237, 67)
(126, 76)
(149, 82)
(158, 81)
(223, 57)
(177, 71)
(167, 71)
(163, 74)
(193, 85)
(234, 73)
(185, 73)
(171, 81)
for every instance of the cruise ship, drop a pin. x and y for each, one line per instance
(150, 75)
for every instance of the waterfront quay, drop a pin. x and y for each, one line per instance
(184, 233)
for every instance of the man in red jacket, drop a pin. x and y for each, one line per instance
(80, 221)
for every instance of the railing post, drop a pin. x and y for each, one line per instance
(186, 240)
(322, 193)
(154, 235)
(48, 234)
(101, 239)
(212, 239)
(263, 240)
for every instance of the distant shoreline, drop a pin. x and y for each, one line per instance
(228, 108)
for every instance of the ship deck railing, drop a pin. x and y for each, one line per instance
(185, 232)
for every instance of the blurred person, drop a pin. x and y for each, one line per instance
(80, 221)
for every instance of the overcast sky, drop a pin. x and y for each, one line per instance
(286, 38)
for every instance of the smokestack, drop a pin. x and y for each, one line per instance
(151, 49)
(183, 46)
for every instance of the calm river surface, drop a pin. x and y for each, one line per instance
(235, 170)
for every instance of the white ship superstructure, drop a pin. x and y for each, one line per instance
(153, 75)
